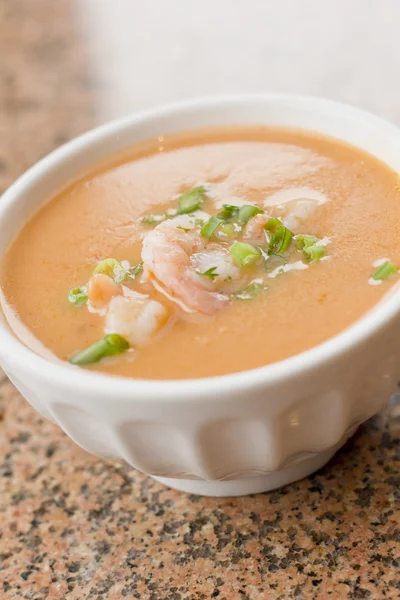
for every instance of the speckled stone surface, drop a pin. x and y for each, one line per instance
(76, 527)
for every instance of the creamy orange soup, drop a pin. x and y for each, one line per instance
(206, 253)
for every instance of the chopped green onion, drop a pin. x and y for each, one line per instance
(272, 225)
(78, 295)
(228, 212)
(226, 231)
(153, 219)
(210, 227)
(244, 254)
(191, 201)
(247, 212)
(274, 261)
(211, 273)
(304, 240)
(384, 271)
(110, 345)
(114, 269)
(281, 236)
(136, 270)
(308, 244)
(314, 253)
(185, 229)
(250, 291)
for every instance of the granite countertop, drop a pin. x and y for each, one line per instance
(76, 527)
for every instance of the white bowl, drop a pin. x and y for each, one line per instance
(220, 436)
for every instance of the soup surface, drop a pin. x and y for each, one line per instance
(227, 250)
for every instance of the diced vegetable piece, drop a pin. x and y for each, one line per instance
(191, 201)
(314, 253)
(281, 236)
(304, 240)
(78, 295)
(384, 271)
(110, 345)
(210, 227)
(114, 269)
(226, 231)
(211, 273)
(244, 254)
(154, 219)
(228, 212)
(309, 244)
(136, 270)
(250, 291)
(247, 212)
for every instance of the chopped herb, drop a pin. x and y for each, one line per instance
(281, 236)
(191, 201)
(114, 269)
(211, 273)
(136, 270)
(186, 229)
(110, 345)
(314, 253)
(250, 291)
(210, 227)
(199, 222)
(228, 212)
(226, 231)
(308, 244)
(384, 271)
(247, 212)
(78, 295)
(274, 261)
(244, 254)
(153, 219)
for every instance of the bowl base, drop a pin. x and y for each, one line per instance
(251, 485)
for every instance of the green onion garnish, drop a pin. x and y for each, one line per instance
(281, 236)
(191, 201)
(211, 273)
(228, 212)
(250, 291)
(210, 227)
(247, 212)
(244, 254)
(384, 271)
(78, 295)
(226, 231)
(185, 229)
(308, 244)
(153, 219)
(314, 253)
(110, 345)
(136, 270)
(114, 269)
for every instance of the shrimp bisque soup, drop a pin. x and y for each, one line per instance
(205, 253)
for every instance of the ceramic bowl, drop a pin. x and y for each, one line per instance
(237, 434)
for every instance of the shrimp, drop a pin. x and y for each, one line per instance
(176, 259)
(136, 317)
(254, 232)
(101, 290)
